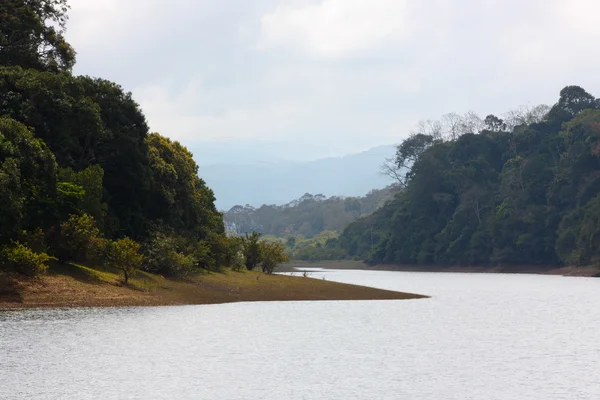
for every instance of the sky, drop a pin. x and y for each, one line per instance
(269, 80)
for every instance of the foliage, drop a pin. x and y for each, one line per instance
(77, 163)
(251, 250)
(124, 255)
(522, 192)
(81, 240)
(179, 198)
(90, 180)
(272, 254)
(32, 35)
(27, 181)
(22, 259)
(166, 255)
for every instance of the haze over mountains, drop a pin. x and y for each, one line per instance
(275, 181)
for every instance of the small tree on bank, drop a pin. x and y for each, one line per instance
(273, 254)
(124, 254)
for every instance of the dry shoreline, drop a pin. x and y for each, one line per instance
(357, 265)
(79, 286)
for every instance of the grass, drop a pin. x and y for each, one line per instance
(74, 285)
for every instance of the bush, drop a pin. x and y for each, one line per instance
(81, 240)
(23, 260)
(124, 254)
(163, 256)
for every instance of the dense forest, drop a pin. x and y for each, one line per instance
(307, 216)
(520, 191)
(82, 179)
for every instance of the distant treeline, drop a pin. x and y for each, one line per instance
(307, 216)
(519, 191)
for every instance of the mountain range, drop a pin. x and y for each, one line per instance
(278, 182)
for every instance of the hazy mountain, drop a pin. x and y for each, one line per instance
(279, 182)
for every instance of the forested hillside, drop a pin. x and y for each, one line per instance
(82, 179)
(520, 191)
(307, 216)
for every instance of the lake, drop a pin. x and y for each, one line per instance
(481, 337)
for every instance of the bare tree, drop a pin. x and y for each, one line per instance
(390, 169)
(525, 115)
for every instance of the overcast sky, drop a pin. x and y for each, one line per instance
(302, 79)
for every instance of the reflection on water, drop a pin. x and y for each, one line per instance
(480, 337)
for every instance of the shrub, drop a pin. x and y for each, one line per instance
(164, 255)
(25, 261)
(80, 239)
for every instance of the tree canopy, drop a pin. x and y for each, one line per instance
(32, 35)
(79, 170)
(507, 194)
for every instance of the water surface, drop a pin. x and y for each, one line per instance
(480, 336)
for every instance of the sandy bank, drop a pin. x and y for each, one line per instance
(78, 286)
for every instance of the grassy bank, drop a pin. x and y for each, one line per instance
(522, 269)
(79, 286)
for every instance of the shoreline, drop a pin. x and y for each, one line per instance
(86, 287)
(356, 265)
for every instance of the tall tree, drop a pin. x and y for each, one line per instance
(32, 35)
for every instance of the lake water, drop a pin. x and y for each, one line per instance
(479, 337)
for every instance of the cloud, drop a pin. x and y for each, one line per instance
(329, 77)
(334, 28)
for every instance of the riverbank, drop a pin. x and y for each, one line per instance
(564, 271)
(79, 286)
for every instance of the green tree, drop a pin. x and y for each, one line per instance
(91, 182)
(124, 255)
(32, 35)
(179, 198)
(27, 181)
(272, 254)
(252, 250)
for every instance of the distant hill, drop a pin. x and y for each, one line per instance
(307, 216)
(280, 181)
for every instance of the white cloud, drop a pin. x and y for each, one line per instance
(343, 75)
(178, 115)
(334, 27)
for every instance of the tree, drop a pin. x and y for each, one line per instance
(124, 255)
(494, 124)
(407, 154)
(273, 254)
(252, 250)
(32, 35)
(573, 100)
(179, 198)
(27, 181)
(90, 180)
